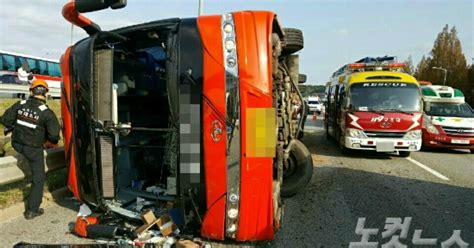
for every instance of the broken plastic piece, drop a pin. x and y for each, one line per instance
(155, 190)
(80, 227)
(124, 212)
(171, 186)
(84, 210)
(169, 242)
(156, 240)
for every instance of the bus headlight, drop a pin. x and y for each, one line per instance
(413, 135)
(432, 129)
(355, 133)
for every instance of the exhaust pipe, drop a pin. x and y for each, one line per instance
(73, 9)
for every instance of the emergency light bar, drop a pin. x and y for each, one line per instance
(371, 64)
(441, 93)
(355, 66)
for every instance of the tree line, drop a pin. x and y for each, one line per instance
(446, 57)
(446, 54)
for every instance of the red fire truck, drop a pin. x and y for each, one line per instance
(373, 106)
(200, 108)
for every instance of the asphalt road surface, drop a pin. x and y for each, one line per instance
(434, 191)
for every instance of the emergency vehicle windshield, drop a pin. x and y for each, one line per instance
(388, 97)
(450, 109)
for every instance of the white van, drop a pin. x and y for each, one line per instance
(315, 104)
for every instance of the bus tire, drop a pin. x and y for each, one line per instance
(471, 150)
(404, 154)
(299, 170)
(293, 41)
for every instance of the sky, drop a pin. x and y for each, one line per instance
(336, 32)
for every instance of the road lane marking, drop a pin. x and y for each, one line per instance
(437, 174)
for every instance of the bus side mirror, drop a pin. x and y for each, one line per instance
(83, 6)
(118, 4)
(427, 106)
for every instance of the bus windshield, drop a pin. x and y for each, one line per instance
(450, 109)
(392, 97)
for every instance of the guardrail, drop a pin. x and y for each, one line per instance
(15, 168)
(25, 89)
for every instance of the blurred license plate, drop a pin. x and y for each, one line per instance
(455, 141)
(385, 146)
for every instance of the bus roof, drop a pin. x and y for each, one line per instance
(29, 56)
(377, 76)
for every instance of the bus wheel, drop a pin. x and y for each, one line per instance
(294, 41)
(298, 171)
(471, 150)
(404, 154)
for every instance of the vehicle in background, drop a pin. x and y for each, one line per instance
(371, 105)
(202, 107)
(449, 120)
(315, 105)
(18, 70)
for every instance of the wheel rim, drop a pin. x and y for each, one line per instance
(290, 170)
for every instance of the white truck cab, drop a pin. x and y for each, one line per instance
(315, 104)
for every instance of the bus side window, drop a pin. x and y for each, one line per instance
(336, 95)
(343, 98)
(43, 67)
(53, 69)
(1, 62)
(327, 92)
(8, 63)
(19, 61)
(33, 66)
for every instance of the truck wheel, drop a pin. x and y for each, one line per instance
(294, 41)
(299, 171)
(302, 78)
(404, 154)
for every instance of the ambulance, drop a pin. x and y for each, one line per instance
(449, 120)
(373, 105)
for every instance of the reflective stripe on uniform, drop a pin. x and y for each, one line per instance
(26, 124)
(23, 102)
(43, 107)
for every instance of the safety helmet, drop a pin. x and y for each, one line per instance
(39, 87)
(39, 82)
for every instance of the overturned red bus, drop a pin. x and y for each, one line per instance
(200, 108)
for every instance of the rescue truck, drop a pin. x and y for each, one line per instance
(372, 105)
(449, 120)
(199, 111)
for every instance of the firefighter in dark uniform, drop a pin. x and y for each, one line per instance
(34, 127)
